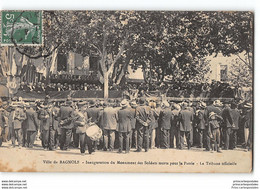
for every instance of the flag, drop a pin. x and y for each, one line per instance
(14, 67)
(71, 63)
(85, 63)
(5, 68)
(53, 68)
(24, 60)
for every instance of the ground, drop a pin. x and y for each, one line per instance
(155, 160)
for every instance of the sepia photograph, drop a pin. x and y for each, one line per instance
(126, 91)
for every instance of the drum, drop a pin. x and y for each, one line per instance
(94, 132)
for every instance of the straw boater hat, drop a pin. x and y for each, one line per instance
(124, 103)
(248, 105)
(217, 103)
(211, 114)
(133, 103)
(185, 104)
(203, 105)
(176, 106)
(165, 103)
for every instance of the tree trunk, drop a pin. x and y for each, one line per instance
(106, 85)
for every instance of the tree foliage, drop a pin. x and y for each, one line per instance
(164, 44)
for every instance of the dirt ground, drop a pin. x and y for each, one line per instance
(155, 160)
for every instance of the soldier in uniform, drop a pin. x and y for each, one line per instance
(18, 117)
(66, 124)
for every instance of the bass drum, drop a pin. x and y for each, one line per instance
(94, 132)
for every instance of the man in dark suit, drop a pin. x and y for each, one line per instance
(248, 126)
(214, 107)
(94, 114)
(110, 119)
(124, 126)
(186, 118)
(227, 125)
(4, 127)
(45, 117)
(175, 132)
(200, 123)
(66, 123)
(165, 124)
(236, 117)
(55, 130)
(133, 132)
(31, 123)
(143, 119)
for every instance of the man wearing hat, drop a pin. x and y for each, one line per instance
(3, 123)
(31, 123)
(133, 132)
(55, 131)
(236, 117)
(18, 117)
(80, 124)
(227, 125)
(200, 123)
(94, 114)
(165, 124)
(175, 132)
(124, 126)
(186, 118)
(45, 117)
(216, 108)
(248, 126)
(66, 123)
(154, 122)
(92, 111)
(213, 131)
(143, 119)
(110, 118)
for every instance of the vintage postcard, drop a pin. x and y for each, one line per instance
(126, 91)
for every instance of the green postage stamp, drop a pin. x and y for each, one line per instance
(21, 27)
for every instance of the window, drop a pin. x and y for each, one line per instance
(223, 73)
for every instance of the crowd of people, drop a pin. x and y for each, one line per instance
(142, 123)
(189, 90)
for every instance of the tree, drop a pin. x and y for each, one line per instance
(232, 34)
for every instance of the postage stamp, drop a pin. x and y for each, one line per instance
(21, 27)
